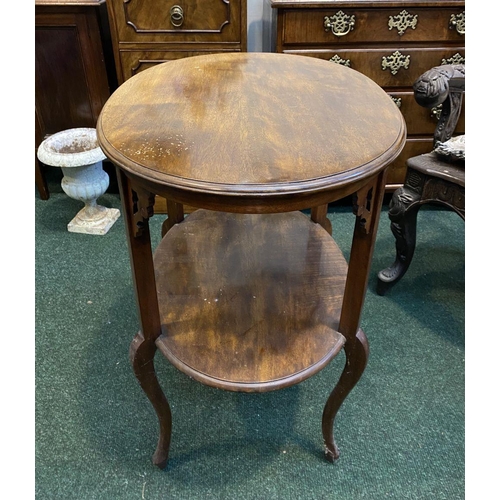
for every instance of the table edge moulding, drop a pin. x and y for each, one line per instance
(247, 293)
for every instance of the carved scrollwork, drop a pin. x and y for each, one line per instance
(402, 22)
(340, 24)
(432, 89)
(402, 198)
(446, 193)
(338, 60)
(395, 62)
(143, 209)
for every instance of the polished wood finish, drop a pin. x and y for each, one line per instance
(244, 335)
(299, 27)
(248, 294)
(245, 151)
(73, 77)
(430, 177)
(145, 34)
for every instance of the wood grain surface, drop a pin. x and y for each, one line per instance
(253, 123)
(249, 302)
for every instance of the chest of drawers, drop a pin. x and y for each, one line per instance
(148, 32)
(392, 42)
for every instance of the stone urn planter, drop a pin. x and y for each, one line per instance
(78, 154)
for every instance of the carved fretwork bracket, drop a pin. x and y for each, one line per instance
(143, 208)
(363, 207)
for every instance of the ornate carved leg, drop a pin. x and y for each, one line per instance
(319, 215)
(138, 208)
(403, 210)
(368, 202)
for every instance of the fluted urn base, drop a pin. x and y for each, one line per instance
(78, 154)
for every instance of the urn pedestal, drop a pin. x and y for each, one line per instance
(78, 154)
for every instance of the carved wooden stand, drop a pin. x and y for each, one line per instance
(430, 178)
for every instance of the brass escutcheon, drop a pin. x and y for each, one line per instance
(338, 60)
(395, 62)
(455, 59)
(402, 22)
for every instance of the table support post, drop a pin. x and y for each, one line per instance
(319, 215)
(175, 213)
(137, 206)
(367, 206)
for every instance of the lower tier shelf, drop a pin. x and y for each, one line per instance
(249, 302)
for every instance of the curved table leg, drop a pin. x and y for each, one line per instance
(367, 206)
(356, 351)
(138, 208)
(403, 211)
(142, 358)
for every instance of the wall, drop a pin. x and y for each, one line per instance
(259, 26)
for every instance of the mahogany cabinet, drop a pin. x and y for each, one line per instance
(74, 72)
(391, 42)
(148, 32)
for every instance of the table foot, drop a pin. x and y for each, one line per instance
(142, 358)
(356, 351)
(331, 452)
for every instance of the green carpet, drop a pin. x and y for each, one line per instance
(400, 432)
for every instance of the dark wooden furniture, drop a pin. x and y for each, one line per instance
(392, 42)
(437, 177)
(72, 73)
(148, 32)
(246, 293)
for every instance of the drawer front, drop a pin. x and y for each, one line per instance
(341, 26)
(152, 21)
(390, 67)
(420, 120)
(135, 61)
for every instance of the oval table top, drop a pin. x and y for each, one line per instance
(251, 124)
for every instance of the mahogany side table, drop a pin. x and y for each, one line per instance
(247, 293)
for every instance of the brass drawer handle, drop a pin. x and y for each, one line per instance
(340, 24)
(176, 16)
(395, 62)
(457, 21)
(402, 22)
